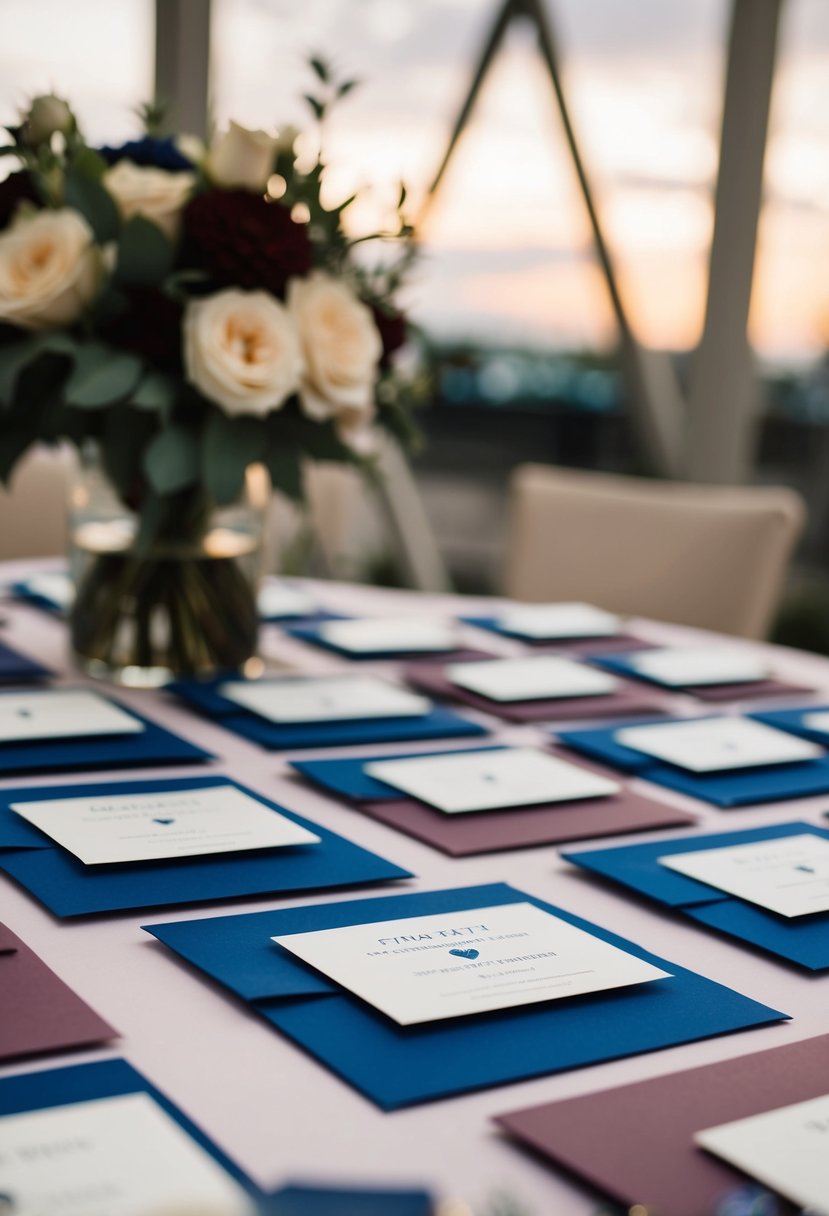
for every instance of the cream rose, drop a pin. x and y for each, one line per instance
(242, 351)
(49, 269)
(154, 193)
(241, 158)
(341, 346)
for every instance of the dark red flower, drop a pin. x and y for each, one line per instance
(242, 240)
(392, 328)
(16, 189)
(148, 324)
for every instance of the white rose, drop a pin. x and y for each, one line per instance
(47, 115)
(342, 348)
(241, 158)
(242, 351)
(156, 194)
(49, 269)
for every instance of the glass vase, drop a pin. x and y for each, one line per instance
(182, 604)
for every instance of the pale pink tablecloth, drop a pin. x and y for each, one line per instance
(279, 1113)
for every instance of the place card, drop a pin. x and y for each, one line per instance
(277, 599)
(108, 829)
(462, 782)
(785, 1149)
(538, 677)
(61, 714)
(118, 1156)
(427, 968)
(687, 668)
(714, 745)
(559, 622)
(789, 875)
(324, 699)
(388, 634)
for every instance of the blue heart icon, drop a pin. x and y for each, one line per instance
(464, 953)
(165, 822)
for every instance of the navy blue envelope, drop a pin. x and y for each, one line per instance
(69, 888)
(340, 1201)
(108, 1079)
(203, 695)
(743, 787)
(17, 668)
(398, 1066)
(792, 720)
(152, 746)
(803, 941)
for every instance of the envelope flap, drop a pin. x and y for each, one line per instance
(328, 1201)
(347, 777)
(801, 940)
(743, 787)
(16, 833)
(204, 695)
(16, 666)
(637, 865)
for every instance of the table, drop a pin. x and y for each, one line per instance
(281, 1115)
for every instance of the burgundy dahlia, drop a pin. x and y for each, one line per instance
(242, 240)
(392, 328)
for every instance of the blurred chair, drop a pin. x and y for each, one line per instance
(33, 509)
(710, 556)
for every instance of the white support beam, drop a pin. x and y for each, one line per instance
(723, 396)
(182, 63)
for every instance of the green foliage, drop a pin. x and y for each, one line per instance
(156, 392)
(171, 460)
(230, 445)
(101, 377)
(87, 195)
(145, 256)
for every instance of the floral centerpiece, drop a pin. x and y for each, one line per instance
(185, 312)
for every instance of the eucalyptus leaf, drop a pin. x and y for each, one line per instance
(97, 207)
(18, 355)
(156, 392)
(101, 376)
(89, 162)
(171, 460)
(145, 256)
(230, 445)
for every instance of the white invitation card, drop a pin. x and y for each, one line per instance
(558, 622)
(325, 699)
(697, 666)
(818, 721)
(61, 714)
(426, 968)
(711, 745)
(785, 1149)
(789, 876)
(53, 585)
(538, 677)
(149, 827)
(120, 1156)
(483, 781)
(404, 634)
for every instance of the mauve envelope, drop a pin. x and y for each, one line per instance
(635, 1143)
(492, 831)
(38, 1012)
(628, 700)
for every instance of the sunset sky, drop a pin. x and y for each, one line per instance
(508, 252)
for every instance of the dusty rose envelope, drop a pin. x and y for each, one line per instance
(39, 1012)
(524, 827)
(635, 1143)
(630, 699)
(746, 692)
